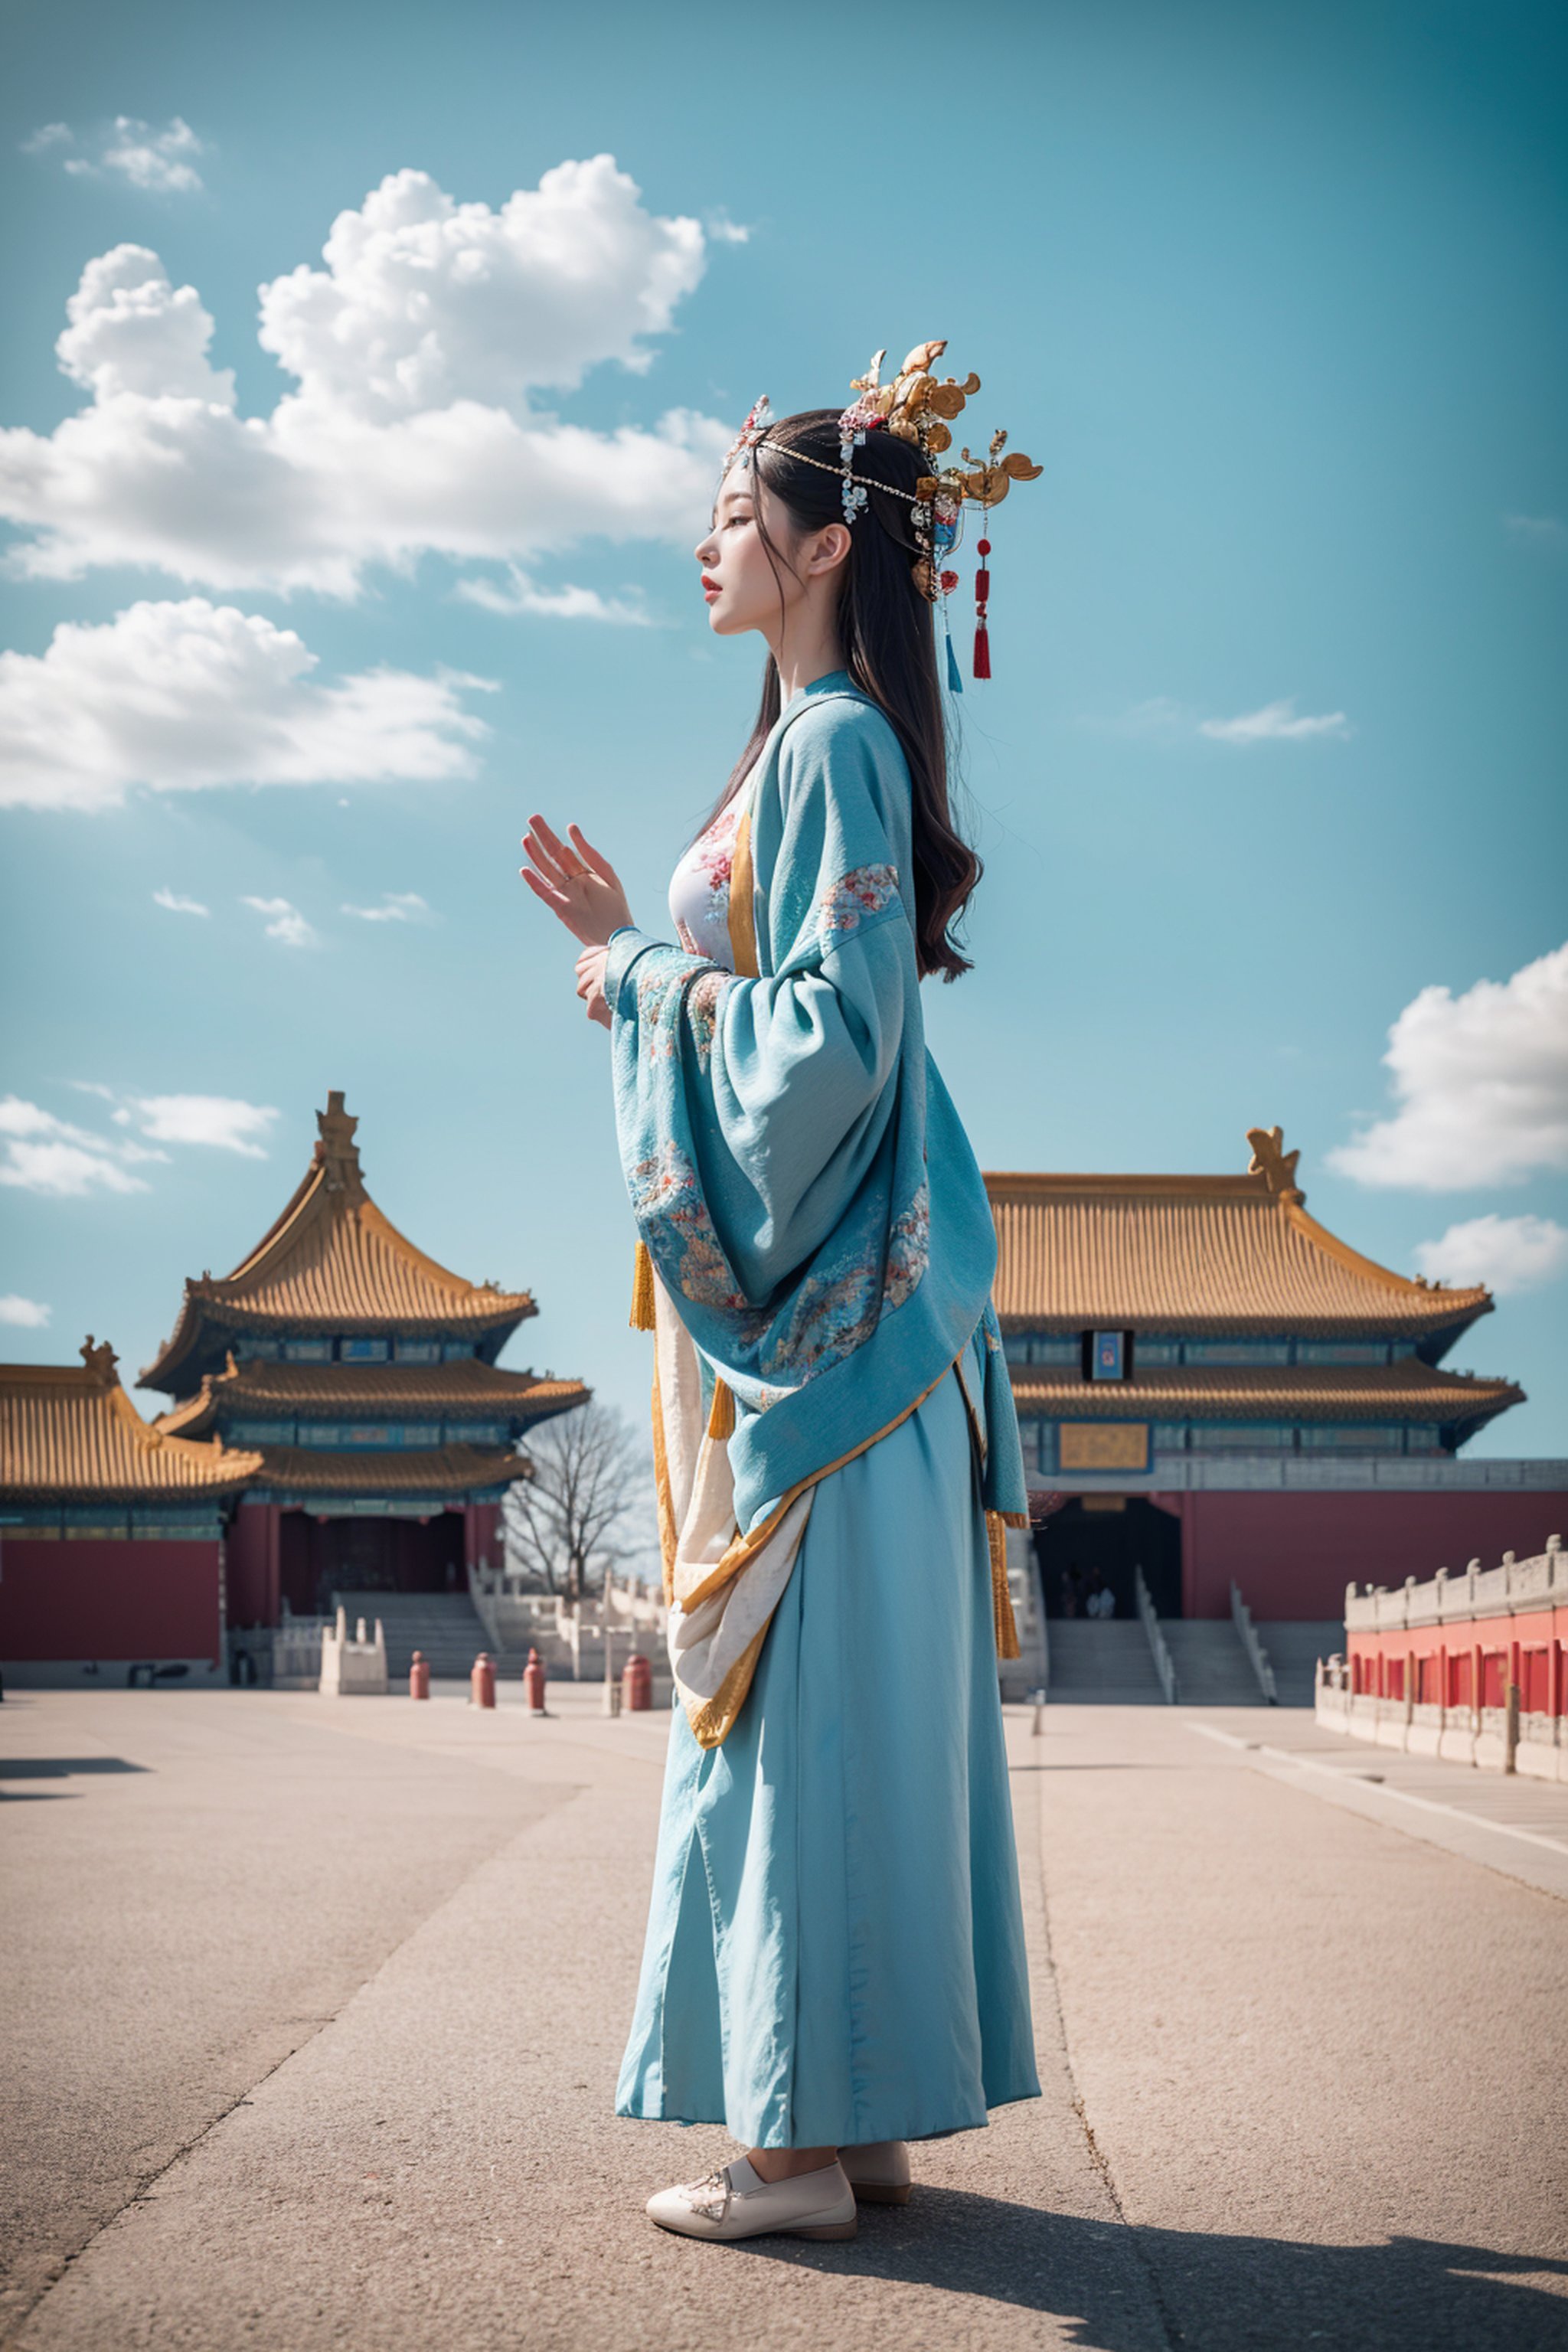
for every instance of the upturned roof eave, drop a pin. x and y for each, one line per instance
(446, 1470)
(64, 1490)
(1267, 1253)
(1459, 1400)
(145, 1465)
(208, 1324)
(1397, 1321)
(522, 1404)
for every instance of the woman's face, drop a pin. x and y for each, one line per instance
(743, 587)
(740, 585)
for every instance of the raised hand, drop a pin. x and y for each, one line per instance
(581, 889)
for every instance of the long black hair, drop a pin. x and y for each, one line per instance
(889, 649)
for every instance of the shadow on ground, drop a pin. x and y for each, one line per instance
(1212, 2293)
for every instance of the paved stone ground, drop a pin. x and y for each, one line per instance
(315, 2011)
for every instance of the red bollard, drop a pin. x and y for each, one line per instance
(533, 1683)
(636, 1685)
(482, 1681)
(419, 1676)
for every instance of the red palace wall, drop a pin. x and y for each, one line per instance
(1293, 1554)
(110, 1597)
(251, 1565)
(1468, 1662)
(481, 1531)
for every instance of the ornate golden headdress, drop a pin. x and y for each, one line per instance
(917, 407)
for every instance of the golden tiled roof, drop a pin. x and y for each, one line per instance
(332, 1262)
(258, 1391)
(435, 1470)
(1218, 1255)
(69, 1431)
(1408, 1390)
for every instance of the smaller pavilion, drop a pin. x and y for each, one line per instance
(364, 1373)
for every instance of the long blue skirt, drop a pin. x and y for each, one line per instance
(835, 1951)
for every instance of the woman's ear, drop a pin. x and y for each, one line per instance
(829, 549)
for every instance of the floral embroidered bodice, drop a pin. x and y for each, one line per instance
(699, 888)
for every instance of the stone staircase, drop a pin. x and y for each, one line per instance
(1294, 1650)
(1106, 1662)
(1213, 1668)
(1101, 1662)
(445, 1625)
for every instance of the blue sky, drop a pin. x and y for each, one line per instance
(1270, 767)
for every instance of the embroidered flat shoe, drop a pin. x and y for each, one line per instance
(737, 2202)
(879, 2173)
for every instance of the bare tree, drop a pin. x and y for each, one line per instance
(579, 1511)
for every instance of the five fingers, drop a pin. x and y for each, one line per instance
(552, 867)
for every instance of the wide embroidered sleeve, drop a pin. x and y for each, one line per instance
(754, 1115)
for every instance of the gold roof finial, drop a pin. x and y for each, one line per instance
(337, 1150)
(1274, 1163)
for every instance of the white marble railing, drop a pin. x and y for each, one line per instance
(1510, 1590)
(1164, 1666)
(1491, 1738)
(1241, 1618)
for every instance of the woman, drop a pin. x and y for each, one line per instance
(835, 1960)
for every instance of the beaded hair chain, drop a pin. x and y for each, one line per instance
(917, 408)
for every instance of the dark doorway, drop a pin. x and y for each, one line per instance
(1094, 1544)
(320, 1557)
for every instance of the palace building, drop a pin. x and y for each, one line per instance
(339, 1423)
(1211, 1385)
(111, 1533)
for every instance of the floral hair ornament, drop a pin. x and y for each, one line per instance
(919, 408)
(755, 426)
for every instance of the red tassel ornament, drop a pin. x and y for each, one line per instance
(982, 599)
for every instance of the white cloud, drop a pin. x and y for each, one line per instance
(1548, 532)
(156, 160)
(1507, 1254)
(218, 1120)
(28, 1314)
(724, 231)
(45, 1154)
(1162, 718)
(178, 906)
(1481, 1085)
(568, 604)
(286, 923)
(1277, 722)
(396, 906)
(131, 332)
(422, 354)
(424, 302)
(160, 162)
(182, 695)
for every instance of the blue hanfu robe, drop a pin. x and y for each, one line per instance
(835, 1950)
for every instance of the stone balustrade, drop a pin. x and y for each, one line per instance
(1472, 1667)
(354, 1665)
(1514, 1588)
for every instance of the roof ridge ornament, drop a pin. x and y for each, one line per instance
(337, 1150)
(99, 1359)
(1275, 1164)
